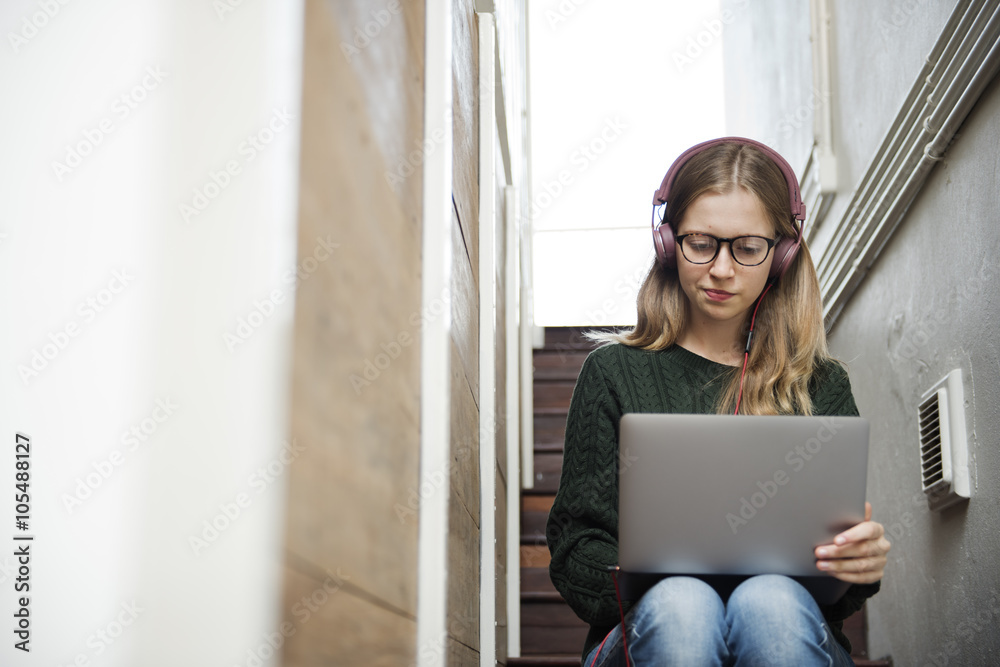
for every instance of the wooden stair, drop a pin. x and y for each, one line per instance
(551, 634)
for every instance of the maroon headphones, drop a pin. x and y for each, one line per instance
(786, 248)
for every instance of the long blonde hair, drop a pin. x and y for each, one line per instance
(789, 339)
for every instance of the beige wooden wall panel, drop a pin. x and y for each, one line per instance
(356, 412)
(464, 490)
(330, 625)
(463, 577)
(464, 511)
(464, 473)
(465, 72)
(460, 654)
(465, 307)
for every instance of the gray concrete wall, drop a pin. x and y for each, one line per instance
(769, 97)
(928, 306)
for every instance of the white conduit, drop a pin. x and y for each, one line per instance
(969, 55)
(435, 337)
(826, 165)
(511, 274)
(527, 305)
(487, 340)
(881, 167)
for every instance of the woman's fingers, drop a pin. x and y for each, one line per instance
(877, 545)
(858, 555)
(857, 571)
(866, 530)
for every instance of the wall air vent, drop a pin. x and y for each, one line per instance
(944, 452)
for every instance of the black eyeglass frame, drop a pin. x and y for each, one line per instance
(679, 239)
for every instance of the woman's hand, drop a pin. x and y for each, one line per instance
(858, 554)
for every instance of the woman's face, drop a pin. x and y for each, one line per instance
(722, 290)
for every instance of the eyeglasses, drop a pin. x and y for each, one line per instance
(746, 250)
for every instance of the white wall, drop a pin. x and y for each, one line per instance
(618, 91)
(770, 96)
(159, 95)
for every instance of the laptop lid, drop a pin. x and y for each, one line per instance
(739, 495)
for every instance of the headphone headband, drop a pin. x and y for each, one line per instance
(784, 251)
(797, 206)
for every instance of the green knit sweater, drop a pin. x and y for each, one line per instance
(582, 528)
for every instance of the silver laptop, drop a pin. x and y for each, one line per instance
(731, 496)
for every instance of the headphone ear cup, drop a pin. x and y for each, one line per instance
(784, 252)
(666, 247)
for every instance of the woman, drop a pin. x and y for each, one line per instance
(731, 269)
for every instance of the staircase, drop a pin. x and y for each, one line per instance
(551, 634)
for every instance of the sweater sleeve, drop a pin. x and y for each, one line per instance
(583, 522)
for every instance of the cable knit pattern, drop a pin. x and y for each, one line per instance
(582, 529)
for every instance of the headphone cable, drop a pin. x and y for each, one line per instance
(746, 356)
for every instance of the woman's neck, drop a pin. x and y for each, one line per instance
(719, 343)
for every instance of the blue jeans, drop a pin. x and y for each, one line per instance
(768, 620)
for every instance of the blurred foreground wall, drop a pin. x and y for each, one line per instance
(351, 556)
(148, 193)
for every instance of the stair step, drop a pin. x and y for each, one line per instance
(549, 448)
(553, 395)
(537, 492)
(548, 469)
(532, 534)
(549, 627)
(536, 579)
(552, 411)
(550, 612)
(535, 555)
(534, 517)
(558, 365)
(542, 596)
(545, 661)
(567, 339)
(550, 429)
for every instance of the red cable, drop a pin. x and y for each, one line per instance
(598, 654)
(746, 356)
(614, 578)
(621, 611)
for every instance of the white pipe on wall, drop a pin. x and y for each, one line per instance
(435, 338)
(931, 155)
(832, 262)
(487, 341)
(823, 115)
(527, 323)
(970, 59)
(512, 258)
